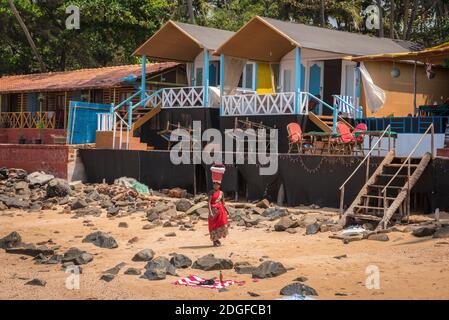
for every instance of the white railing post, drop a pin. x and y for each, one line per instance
(114, 130)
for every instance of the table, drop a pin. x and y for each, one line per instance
(325, 137)
(378, 134)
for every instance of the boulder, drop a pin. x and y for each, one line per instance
(378, 237)
(115, 270)
(424, 232)
(58, 188)
(197, 206)
(39, 178)
(143, 255)
(209, 263)
(177, 193)
(183, 205)
(244, 268)
(158, 269)
(133, 272)
(11, 240)
(268, 269)
(203, 213)
(284, 224)
(264, 204)
(3, 206)
(36, 282)
(112, 211)
(21, 185)
(76, 256)
(442, 233)
(299, 289)
(274, 213)
(312, 228)
(30, 250)
(78, 204)
(106, 203)
(180, 261)
(88, 211)
(107, 277)
(17, 203)
(101, 239)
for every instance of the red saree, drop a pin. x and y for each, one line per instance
(218, 222)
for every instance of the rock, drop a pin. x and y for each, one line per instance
(378, 237)
(112, 211)
(30, 250)
(88, 211)
(149, 226)
(123, 225)
(291, 230)
(308, 220)
(268, 269)
(58, 188)
(54, 259)
(180, 261)
(442, 233)
(115, 270)
(312, 228)
(203, 213)
(368, 226)
(158, 269)
(21, 185)
(253, 294)
(341, 257)
(133, 272)
(170, 234)
(274, 213)
(3, 206)
(183, 205)
(101, 239)
(143, 255)
(209, 263)
(244, 268)
(197, 206)
(106, 204)
(284, 224)
(424, 232)
(314, 207)
(257, 210)
(77, 256)
(36, 282)
(177, 193)
(11, 240)
(39, 178)
(301, 279)
(17, 203)
(264, 204)
(153, 216)
(78, 204)
(299, 289)
(107, 277)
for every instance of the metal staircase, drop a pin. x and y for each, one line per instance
(386, 193)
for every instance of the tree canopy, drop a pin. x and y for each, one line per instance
(111, 30)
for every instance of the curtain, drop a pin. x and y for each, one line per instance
(233, 71)
(189, 72)
(375, 96)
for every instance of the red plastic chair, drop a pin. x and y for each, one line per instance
(346, 138)
(361, 137)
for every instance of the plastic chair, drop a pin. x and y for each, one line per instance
(360, 138)
(346, 139)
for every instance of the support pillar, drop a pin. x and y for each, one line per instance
(222, 81)
(206, 78)
(143, 81)
(297, 79)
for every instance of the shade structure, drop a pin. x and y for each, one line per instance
(182, 42)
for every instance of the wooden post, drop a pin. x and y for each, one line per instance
(65, 110)
(432, 142)
(21, 110)
(342, 197)
(414, 88)
(113, 97)
(367, 168)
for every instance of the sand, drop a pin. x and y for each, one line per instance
(410, 268)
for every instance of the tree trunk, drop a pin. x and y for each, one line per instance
(381, 19)
(191, 13)
(392, 5)
(322, 17)
(406, 14)
(408, 35)
(28, 36)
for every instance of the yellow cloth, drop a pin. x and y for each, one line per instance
(264, 79)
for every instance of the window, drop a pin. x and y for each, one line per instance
(287, 81)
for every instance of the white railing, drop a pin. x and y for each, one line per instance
(120, 124)
(184, 97)
(348, 106)
(259, 104)
(105, 122)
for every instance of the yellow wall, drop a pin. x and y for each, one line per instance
(399, 91)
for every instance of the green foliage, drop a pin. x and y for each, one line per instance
(112, 29)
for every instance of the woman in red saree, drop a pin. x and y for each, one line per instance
(218, 222)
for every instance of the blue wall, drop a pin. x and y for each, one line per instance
(82, 123)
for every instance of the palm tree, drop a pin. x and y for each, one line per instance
(408, 34)
(323, 19)
(28, 36)
(392, 8)
(381, 19)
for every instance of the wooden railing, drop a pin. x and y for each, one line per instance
(259, 104)
(43, 120)
(184, 97)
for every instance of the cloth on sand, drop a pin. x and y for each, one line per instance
(194, 281)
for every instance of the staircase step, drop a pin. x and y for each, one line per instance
(398, 165)
(376, 197)
(392, 175)
(379, 186)
(369, 207)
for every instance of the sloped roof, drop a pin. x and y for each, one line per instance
(437, 55)
(96, 78)
(277, 37)
(176, 41)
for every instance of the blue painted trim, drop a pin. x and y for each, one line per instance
(143, 81)
(222, 81)
(130, 114)
(297, 78)
(206, 79)
(254, 75)
(193, 74)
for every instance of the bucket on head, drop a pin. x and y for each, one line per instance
(217, 173)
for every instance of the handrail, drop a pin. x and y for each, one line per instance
(121, 104)
(357, 109)
(388, 128)
(142, 102)
(318, 99)
(431, 127)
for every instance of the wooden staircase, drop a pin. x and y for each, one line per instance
(372, 205)
(104, 141)
(326, 123)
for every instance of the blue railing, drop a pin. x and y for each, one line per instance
(406, 124)
(345, 104)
